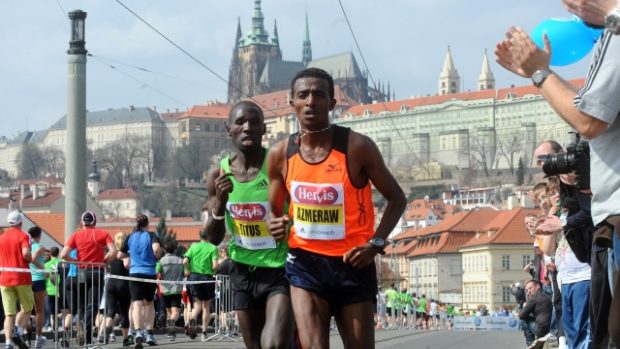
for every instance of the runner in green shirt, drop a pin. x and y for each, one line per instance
(421, 312)
(199, 263)
(391, 296)
(52, 278)
(238, 192)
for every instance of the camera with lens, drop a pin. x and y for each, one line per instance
(575, 159)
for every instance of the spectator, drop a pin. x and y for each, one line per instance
(536, 315)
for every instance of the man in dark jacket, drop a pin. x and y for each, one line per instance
(536, 314)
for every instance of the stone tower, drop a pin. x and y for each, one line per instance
(449, 80)
(486, 81)
(250, 54)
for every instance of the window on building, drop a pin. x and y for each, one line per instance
(526, 260)
(506, 262)
(506, 294)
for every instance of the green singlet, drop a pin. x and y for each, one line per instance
(247, 216)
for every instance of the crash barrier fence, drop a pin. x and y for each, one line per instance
(80, 299)
(224, 321)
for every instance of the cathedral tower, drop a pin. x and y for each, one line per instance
(486, 81)
(449, 80)
(250, 55)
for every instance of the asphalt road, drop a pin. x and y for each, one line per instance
(393, 339)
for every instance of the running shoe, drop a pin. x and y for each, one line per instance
(138, 340)
(172, 336)
(191, 330)
(203, 337)
(150, 339)
(112, 337)
(127, 342)
(17, 340)
(40, 342)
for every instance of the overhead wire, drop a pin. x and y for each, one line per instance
(359, 49)
(138, 80)
(146, 70)
(192, 57)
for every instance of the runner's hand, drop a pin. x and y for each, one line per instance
(360, 256)
(278, 227)
(223, 186)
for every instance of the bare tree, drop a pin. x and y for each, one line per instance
(482, 153)
(120, 162)
(192, 160)
(508, 147)
(32, 162)
(54, 161)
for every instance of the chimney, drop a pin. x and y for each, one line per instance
(33, 189)
(168, 215)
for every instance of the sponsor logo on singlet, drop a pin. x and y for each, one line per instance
(249, 225)
(318, 210)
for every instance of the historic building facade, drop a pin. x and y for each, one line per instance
(485, 129)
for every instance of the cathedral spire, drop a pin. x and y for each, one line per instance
(306, 54)
(258, 34)
(449, 80)
(275, 39)
(239, 33)
(486, 81)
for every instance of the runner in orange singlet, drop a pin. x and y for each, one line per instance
(326, 171)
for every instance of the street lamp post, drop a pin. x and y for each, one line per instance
(75, 167)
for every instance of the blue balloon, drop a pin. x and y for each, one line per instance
(570, 40)
(595, 32)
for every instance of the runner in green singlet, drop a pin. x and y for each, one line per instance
(239, 202)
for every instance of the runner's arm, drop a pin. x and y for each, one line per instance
(112, 252)
(364, 151)
(278, 224)
(215, 228)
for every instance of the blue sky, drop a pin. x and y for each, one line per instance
(404, 42)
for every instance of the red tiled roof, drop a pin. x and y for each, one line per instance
(171, 117)
(53, 195)
(507, 228)
(216, 110)
(51, 223)
(117, 194)
(448, 235)
(518, 91)
(54, 225)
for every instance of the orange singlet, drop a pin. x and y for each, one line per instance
(330, 215)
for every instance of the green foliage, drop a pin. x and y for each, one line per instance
(520, 172)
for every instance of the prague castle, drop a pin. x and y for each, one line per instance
(257, 66)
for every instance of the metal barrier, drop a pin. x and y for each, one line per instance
(225, 317)
(81, 288)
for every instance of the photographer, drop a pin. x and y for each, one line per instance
(565, 232)
(592, 111)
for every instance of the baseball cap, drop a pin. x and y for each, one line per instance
(14, 218)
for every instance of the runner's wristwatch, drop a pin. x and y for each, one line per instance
(612, 21)
(378, 243)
